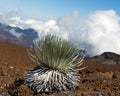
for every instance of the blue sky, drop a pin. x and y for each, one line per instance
(53, 9)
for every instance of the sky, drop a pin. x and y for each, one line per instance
(53, 9)
(93, 25)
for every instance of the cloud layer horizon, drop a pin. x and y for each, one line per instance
(98, 33)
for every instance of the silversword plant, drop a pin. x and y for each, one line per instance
(58, 65)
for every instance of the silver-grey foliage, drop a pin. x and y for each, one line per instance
(58, 66)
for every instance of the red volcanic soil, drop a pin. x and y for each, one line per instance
(96, 80)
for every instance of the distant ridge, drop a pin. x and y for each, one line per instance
(17, 35)
(107, 58)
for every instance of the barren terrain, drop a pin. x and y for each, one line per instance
(96, 80)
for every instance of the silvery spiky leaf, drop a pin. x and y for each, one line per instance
(58, 66)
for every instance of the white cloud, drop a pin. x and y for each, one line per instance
(43, 28)
(104, 31)
(98, 33)
(13, 32)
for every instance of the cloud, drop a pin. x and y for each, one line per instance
(13, 32)
(98, 33)
(43, 28)
(103, 31)
(74, 26)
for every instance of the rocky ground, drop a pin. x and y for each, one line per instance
(97, 79)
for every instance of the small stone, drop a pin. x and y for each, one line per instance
(117, 75)
(1, 72)
(109, 74)
(106, 75)
(25, 89)
(11, 67)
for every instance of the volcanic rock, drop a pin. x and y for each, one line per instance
(96, 80)
(107, 58)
